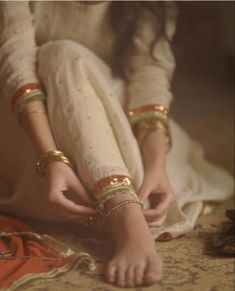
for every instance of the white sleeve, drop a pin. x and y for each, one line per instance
(18, 50)
(149, 78)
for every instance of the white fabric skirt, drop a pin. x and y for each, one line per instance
(86, 108)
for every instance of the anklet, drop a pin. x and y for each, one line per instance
(112, 186)
(119, 205)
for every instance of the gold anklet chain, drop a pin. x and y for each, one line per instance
(119, 205)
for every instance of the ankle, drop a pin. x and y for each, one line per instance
(118, 199)
(123, 218)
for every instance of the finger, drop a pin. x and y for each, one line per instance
(154, 218)
(144, 192)
(161, 207)
(158, 222)
(80, 190)
(70, 206)
(70, 216)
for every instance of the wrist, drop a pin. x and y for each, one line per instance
(51, 157)
(154, 165)
(154, 150)
(55, 167)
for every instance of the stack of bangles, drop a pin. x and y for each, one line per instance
(113, 186)
(50, 157)
(24, 95)
(150, 118)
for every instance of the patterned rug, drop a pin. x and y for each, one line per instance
(191, 262)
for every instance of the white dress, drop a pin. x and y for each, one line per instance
(86, 107)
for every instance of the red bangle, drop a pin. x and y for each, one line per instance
(148, 108)
(112, 180)
(23, 90)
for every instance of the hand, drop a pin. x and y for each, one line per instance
(157, 188)
(62, 178)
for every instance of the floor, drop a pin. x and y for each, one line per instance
(191, 262)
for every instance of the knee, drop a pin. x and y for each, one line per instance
(56, 54)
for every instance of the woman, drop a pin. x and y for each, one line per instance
(70, 90)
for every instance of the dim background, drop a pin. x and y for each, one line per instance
(203, 85)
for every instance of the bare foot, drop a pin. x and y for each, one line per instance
(135, 261)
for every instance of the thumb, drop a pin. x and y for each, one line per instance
(80, 190)
(144, 191)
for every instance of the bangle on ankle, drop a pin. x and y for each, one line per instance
(112, 186)
(50, 157)
(114, 192)
(119, 205)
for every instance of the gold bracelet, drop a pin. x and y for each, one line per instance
(148, 118)
(135, 119)
(119, 205)
(112, 193)
(50, 157)
(142, 130)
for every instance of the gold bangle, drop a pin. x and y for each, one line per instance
(142, 129)
(119, 205)
(148, 118)
(135, 119)
(50, 157)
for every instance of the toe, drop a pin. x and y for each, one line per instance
(111, 273)
(153, 273)
(130, 274)
(121, 276)
(152, 278)
(139, 274)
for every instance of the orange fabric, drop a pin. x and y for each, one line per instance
(22, 254)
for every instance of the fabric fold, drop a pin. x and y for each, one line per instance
(26, 255)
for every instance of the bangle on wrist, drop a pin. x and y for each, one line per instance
(144, 128)
(150, 118)
(50, 157)
(25, 94)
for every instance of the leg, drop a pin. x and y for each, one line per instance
(85, 116)
(89, 126)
